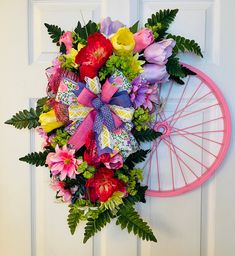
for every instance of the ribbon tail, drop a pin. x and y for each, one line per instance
(79, 138)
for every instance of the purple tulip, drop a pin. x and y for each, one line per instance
(158, 53)
(154, 73)
(108, 27)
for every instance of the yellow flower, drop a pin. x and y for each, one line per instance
(49, 122)
(136, 65)
(80, 46)
(123, 41)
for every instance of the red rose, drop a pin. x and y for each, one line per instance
(102, 186)
(94, 55)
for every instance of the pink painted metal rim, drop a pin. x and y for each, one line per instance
(224, 147)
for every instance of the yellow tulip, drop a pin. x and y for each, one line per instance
(49, 122)
(123, 41)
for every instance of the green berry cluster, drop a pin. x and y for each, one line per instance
(141, 119)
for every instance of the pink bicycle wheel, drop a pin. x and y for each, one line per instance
(196, 128)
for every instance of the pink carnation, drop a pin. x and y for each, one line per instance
(63, 162)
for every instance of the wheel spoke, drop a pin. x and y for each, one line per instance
(195, 143)
(195, 135)
(185, 153)
(193, 112)
(172, 170)
(178, 161)
(178, 104)
(188, 102)
(166, 142)
(199, 124)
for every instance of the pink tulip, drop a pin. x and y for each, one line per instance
(67, 39)
(158, 53)
(143, 38)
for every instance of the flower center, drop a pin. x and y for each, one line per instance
(98, 53)
(67, 161)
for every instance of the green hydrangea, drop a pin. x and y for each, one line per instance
(136, 175)
(129, 65)
(142, 118)
(61, 138)
(86, 170)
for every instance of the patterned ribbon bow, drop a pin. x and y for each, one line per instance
(95, 108)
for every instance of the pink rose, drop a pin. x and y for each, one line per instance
(143, 38)
(67, 39)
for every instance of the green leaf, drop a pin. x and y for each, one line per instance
(24, 119)
(35, 158)
(138, 197)
(177, 71)
(113, 202)
(135, 158)
(130, 219)
(95, 225)
(55, 32)
(174, 67)
(134, 28)
(177, 80)
(40, 103)
(83, 32)
(165, 17)
(146, 135)
(160, 21)
(185, 45)
(73, 217)
(188, 71)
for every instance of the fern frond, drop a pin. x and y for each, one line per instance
(35, 158)
(95, 225)
(24, 119)
(185, 45)
(146, 135)
(130, 219)
(73, 217)
(54, 32)
(135, 158)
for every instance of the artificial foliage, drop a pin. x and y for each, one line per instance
(102, 104)
(35, 158)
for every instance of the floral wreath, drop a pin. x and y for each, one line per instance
(101, 104)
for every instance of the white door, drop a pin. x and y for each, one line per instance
(199, 223)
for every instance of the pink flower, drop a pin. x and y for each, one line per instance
(115, 162)
(151, 97)
(63, 162)
(62, 192)
(158, 53)
(143, 38)
(67, 39)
